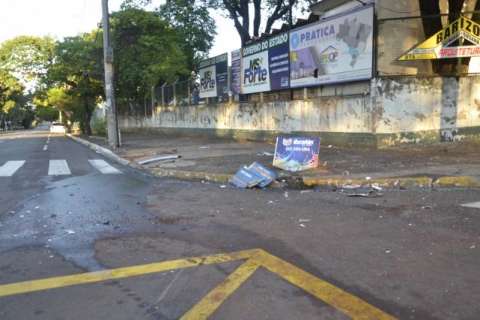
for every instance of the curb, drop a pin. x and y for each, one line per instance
(103, 151)
(387, 182)
(402, 182)
(192, 175)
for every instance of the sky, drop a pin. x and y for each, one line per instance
(60, 18)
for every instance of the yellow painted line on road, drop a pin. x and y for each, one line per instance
(349, 304)
(92, 277)
(213, 300)
(343, 301)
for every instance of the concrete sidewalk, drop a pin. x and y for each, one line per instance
(217, 160)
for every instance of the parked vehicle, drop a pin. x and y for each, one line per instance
(57, 127)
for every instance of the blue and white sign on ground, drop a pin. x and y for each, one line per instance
(296, 153)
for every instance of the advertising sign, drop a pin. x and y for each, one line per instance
(214, 77)
(236, 80)
(265, 65)
(439, 46)
(296, 153)
(339, 49)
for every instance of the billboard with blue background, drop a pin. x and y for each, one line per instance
(266, 65)
(338, 49)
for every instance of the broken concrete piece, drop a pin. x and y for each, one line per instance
(159, 158)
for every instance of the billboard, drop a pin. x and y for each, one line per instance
(213, 74)
(334, 50)
(265, 65)
(442, 45)
(236, 81)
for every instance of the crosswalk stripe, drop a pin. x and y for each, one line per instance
(104, 167)
(58, 168)
(10, 167)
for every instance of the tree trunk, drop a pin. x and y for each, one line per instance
(87, 129)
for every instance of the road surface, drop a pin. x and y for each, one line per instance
(84, 238)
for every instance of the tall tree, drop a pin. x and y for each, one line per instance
(78, 70)
(27, 58)
(147, 53)
(263, 13)
(195, 26)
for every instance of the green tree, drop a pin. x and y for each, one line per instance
(27, 58)
(76, 76)
(190, 19)
(195, 26)
(14, 105)
(147, 53)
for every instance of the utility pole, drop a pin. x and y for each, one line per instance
(112, 123)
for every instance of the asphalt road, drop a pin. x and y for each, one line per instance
(410, 254)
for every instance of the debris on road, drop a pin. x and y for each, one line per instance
(69, 231)
(265, 154)
(253, 176)
(159, 158)
(222, 186)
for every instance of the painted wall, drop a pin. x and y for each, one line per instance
(414, 104)
(333, 114)
(396, 106)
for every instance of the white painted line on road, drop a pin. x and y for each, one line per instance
(104, 167)
(10, 167)
(58, 168)
(475, 205)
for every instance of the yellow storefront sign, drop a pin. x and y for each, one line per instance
(438, 45)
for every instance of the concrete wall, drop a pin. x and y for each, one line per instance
(398, 110)
(447, 106)
(334, 114)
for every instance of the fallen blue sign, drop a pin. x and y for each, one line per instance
(296, 153)
(253, 176)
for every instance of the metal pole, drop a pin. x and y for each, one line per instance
(112, 124)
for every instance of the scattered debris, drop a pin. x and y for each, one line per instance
(306, 191)
(302, 225)
(475, 205)
(270, 202)
(473, 246)
(222, 186)
(37, 207)
(351, 186)
(253, 176)
(367, 194)
(388, 251)
(159, 158)
(69, 231)
(330, 146)
(265, 154)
